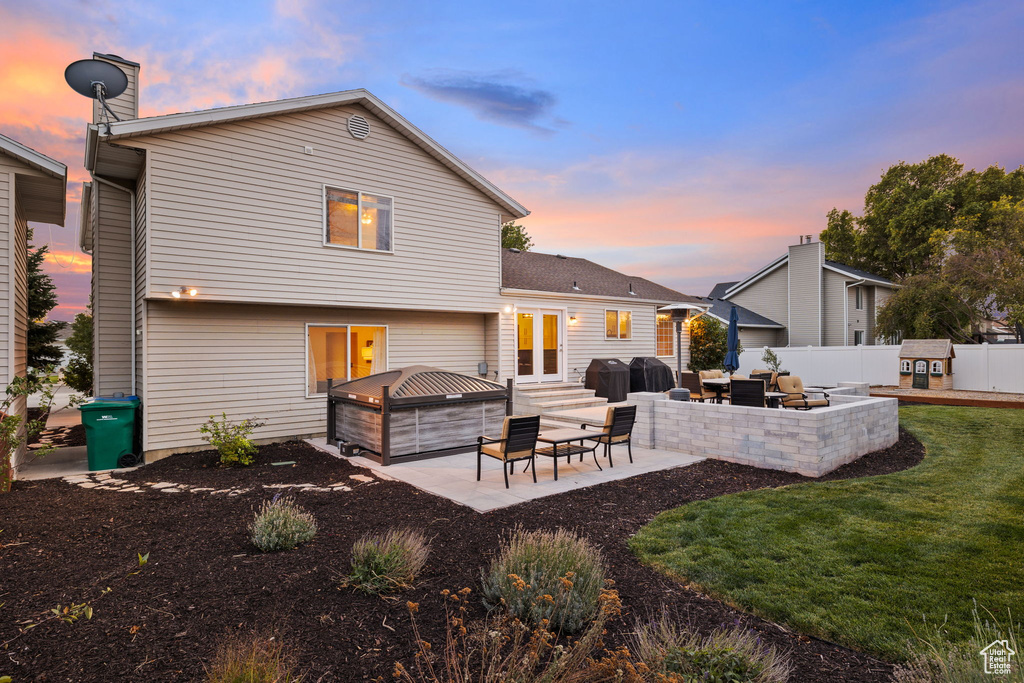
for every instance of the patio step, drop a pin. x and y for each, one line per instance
(569, 404)
(537, 399)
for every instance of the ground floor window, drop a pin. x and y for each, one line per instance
(665, 334)
(343, 352)
(858, 337)
(618, 324)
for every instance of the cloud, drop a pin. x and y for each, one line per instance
(491, 97)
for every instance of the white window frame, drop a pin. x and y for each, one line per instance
(862, 334)
(618, 311)
(672, 335)
(936, 368)
(858, 298)
(359, 212)
(906, 366)
(348, 368)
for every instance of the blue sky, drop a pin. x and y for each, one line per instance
(686, 142)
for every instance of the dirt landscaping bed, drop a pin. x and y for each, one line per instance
(952, 397)
(65, 544)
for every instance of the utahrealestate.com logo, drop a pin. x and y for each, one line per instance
(997, 657)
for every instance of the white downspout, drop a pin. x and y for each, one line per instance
(133, 284)
(846, 311)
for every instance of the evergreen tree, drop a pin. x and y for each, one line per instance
(42, 298)
(78, 373)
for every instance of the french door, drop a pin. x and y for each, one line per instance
(539, 345)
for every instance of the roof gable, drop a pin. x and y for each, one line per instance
(155, 125)
(720, 308)
(927, 348)
(530, 270)
(719, 290)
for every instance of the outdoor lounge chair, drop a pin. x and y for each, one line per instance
(796, 398)
(518, 442)
(617, 428)
(747, 392)
(691, 381)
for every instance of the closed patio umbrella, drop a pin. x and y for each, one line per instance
(732, 359)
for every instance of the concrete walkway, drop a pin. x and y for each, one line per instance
(454, 476)
(62, 462)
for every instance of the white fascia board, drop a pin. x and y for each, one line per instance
(743, 284)
(880, 283)
(508, 291)
(170, 122)
(85, 219)
(33, 158)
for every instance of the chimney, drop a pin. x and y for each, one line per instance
(125, 105)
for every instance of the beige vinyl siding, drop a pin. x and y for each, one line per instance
(245, 360)
(236, 210)
(140, 282)
(585, 340)
(752, 338)
(111, 267)
(126, 105)
(805, 284)
(18, 246)
(769, 297)
(6, 271)
(835, 292)
(857, 320)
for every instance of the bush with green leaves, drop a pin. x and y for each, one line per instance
(546, 577)
(280, 524)
(726, 655)
(14, 432)
(384, 563)
(231, 439)
(772, 360)
(709, 342)
(252, 658)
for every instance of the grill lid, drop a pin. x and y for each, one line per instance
(417, 384)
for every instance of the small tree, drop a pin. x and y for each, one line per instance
(78, 373)
(12, 436)
(42, 298)
(709, 342)
(772, 360)
(515, 237)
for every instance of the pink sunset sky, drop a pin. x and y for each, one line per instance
(683, 143)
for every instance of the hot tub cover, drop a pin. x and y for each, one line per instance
(417, 384)
(649, 374)
(609, 378)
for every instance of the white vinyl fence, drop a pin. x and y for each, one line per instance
(977, 367)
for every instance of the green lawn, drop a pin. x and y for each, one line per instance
(868, 562)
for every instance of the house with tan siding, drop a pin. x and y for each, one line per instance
(32, 188)
(814, 301)
(244, 256)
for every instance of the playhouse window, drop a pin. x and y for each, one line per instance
(905, 367)
(936, 367)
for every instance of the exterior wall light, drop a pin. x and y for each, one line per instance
(190, 291)
(510, 309)
(573, 320)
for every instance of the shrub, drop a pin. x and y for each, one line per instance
(231, 439)
(772, 360)
(251, 659)
(280, 524)
(383, 563)
(709, 342)
(552, 577)
(724, 656)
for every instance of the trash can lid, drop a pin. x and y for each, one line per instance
(109, 404)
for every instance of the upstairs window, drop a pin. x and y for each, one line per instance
(357, 220)
(858, 298)
(618, 324)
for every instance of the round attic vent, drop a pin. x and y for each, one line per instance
(358, 127)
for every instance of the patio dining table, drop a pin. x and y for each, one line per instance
(719, 385)
(775, 398)
(561, 441)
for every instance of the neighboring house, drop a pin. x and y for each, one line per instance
(32, 188)
(755, 330)
(244, 256)
(818, 302)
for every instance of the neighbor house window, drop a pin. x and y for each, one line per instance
(341, 353)
(858, 337)
(618, 324)
(357, 219)
(858, 298)
(665, 335)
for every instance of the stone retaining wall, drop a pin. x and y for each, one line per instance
(811, 443)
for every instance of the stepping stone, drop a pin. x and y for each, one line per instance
(169, 490)
(37, 446)
(88, 484)
(360, 477)
(200, 489)
(131, 488)
(162, 485)
(318, 488)
(341, 488)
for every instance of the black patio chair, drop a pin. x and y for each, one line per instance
(747, 392)
(518, 442)
(617, 428)
(691, 381)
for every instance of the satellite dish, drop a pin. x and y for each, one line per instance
(84, 75)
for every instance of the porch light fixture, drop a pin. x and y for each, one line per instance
(190, 291)
(573, 320)
(509, 309)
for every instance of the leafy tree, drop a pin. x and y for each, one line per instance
(42, 298)
(905, 209)
(709, 342)
(927, 306)
(78, 373)
(515, 237)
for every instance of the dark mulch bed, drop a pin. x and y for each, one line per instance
(203, 579)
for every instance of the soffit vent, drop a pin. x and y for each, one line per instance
(358, 127)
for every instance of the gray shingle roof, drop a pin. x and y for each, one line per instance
(720, 308)
(719, 290)
(927, 348)
(858, 272)
(554, 273)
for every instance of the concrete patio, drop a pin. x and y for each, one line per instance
(454, 476)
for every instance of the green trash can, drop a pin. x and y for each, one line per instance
(109, 430)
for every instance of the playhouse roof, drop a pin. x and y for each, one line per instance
(927, 348)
